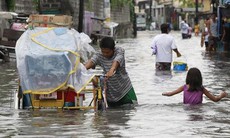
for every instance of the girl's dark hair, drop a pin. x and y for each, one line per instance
(194, 80)
(107, 42)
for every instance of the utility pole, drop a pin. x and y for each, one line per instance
(134, 19)
(214, 6)
(196, 18)
(81, 16)
(150, 11)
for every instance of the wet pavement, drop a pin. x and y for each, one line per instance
(155, 116)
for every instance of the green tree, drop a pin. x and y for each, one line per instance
(36, 5)
(10, 4)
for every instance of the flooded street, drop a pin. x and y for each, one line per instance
(155, 116)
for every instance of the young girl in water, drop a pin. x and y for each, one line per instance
(194, 90)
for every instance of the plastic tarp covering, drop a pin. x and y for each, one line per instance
(48, 59)
(8, 15)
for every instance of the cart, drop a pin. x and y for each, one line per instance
(91, 96)
(51, 73)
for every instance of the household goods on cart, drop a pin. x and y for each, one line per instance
(50, 68)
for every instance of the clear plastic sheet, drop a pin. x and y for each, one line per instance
(49, 59)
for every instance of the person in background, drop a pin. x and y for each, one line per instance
(162, 45)
(204, 35)
(194, 89)
(153, 26)
(213, 34)
(112, 60)
(196, 29)
(189, 31)
(184, 29)
(201, 24)
(226, 34)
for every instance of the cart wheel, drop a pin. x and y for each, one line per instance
(4, 55)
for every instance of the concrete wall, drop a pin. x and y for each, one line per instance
(2, 5)
(121, 15)
(75, 12)
(24, 6)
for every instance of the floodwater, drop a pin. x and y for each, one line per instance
(154, 116)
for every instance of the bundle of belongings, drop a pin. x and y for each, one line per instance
(49, 59)
(180, 64)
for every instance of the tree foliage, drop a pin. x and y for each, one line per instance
(36, 4)
(10, 4)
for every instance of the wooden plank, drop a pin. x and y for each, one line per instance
(7, 47)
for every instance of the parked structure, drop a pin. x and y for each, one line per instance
(3, 5)
(141, 21)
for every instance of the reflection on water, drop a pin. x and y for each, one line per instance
(155, 116)
(195, 112)
(111, 123)
(167, 74)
